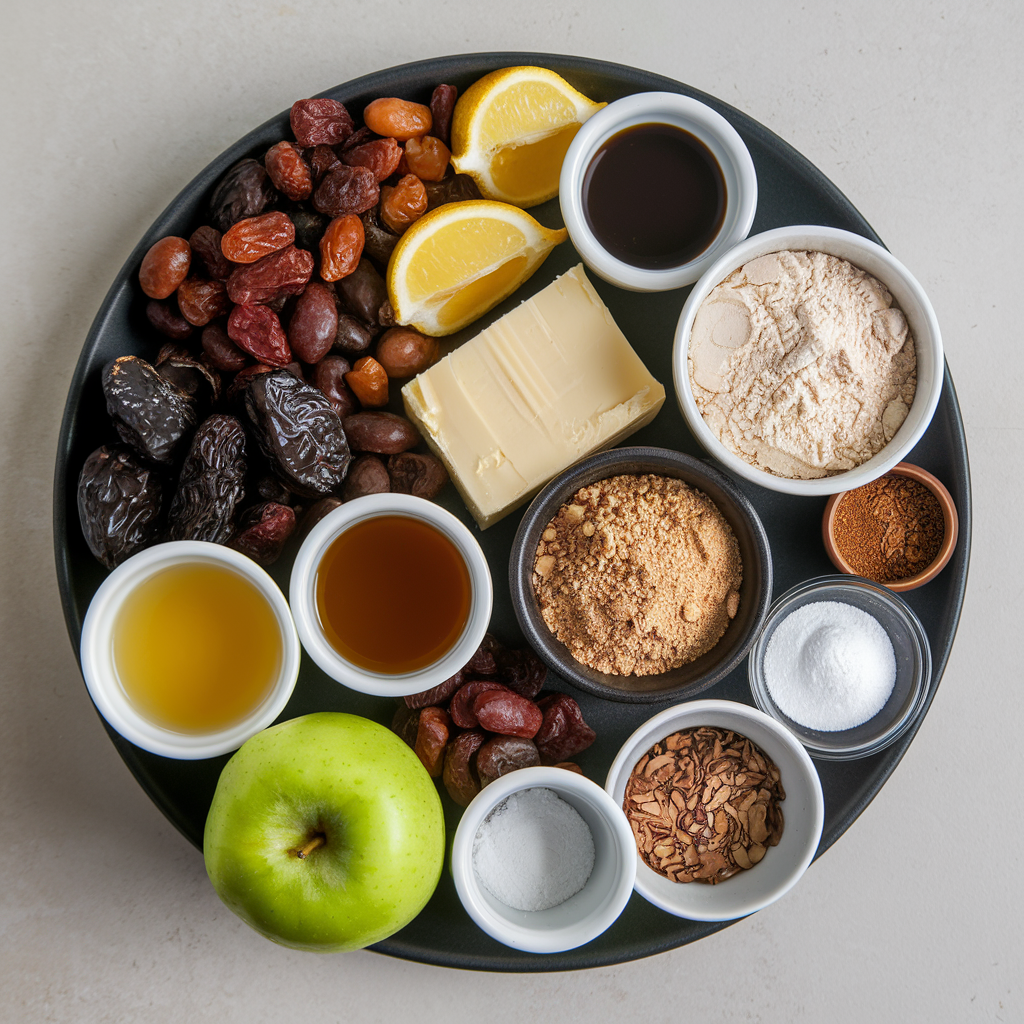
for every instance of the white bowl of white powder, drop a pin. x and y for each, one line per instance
(844, 663)
(808, 360)
(543, 860)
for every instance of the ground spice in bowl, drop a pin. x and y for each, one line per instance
(890, 529)
(638, 574)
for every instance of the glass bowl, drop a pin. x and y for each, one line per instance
(913, 666)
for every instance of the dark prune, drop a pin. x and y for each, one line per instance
(263, 532)
(380, 156)
(269, 488)
(205, 242)
(255, 237)
(321, 160)
(165, 266)
(453, 189)
(316, 512)
(461, 707)
(329, 377)
(320, 122)
(522, 672)
(431, 739)
(363, 292)
(357, 138)
(366, 475)
(167, 321)
(458, 775)
(244, 191)
(503, 754)
(280, 274)
(442, 104)
(309, 229)
(436, 694)
(258, 331)
(150, 413)
(378, 242)
(423, 476)
(405, 724)
(353, 338)
(236, 389)
(507, 713)
(192, 376)
(288, 171)
(563, 733)
(200, 300)
(314, 323)
(211, 483)
(119, 505)
(220, 351)
(346, 189)
(299, 432)
(384, 433)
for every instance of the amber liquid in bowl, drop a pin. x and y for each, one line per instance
(654, 196)
(197, 648)
(392, 594)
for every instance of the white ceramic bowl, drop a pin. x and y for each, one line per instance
(580, 918)
(803, 811)
(98, 656)
(302, 594)
(909, 296)
(658, 108)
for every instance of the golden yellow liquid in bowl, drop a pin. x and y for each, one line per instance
(197, 648)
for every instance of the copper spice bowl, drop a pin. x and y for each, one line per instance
(949, 520)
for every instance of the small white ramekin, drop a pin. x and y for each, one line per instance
(97, 652)
(658, 108)
(909, 296)
(302, 594)
(580, 918)
(803, 813)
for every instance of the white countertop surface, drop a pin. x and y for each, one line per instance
(913, 110)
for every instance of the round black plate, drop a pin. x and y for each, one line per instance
(791, 191)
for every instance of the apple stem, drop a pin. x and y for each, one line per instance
(318, 840)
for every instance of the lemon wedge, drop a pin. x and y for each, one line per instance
(462, 259)
(510, 131)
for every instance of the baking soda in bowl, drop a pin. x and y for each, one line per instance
(830, 666)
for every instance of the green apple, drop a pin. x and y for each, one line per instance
(325, 833)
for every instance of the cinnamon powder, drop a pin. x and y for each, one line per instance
(890, 529)
(638, 575)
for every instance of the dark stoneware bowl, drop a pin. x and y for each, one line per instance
(755, 592)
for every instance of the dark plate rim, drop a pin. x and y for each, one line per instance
(439, 67)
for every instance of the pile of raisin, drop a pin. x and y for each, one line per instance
(263, 406)
(489, 719)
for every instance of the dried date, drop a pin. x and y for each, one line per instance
(427, 158)
(244, 191)
(346, 189)
(220, 351)
(404, 204)
(563, 733)
(263, 532)
(320, 121)
(507, 713)
(458, 775)
(363, 292)
(384, 433)
(165, 266)
(341, 247)
(353, 337)
(405, 723)
(192, 376)
(329, 377)
(167, 321)
(211, 483)
(436, 694)
(454, 188)
(205, 242)
(200, 300)
(461, 707)
(309, 229)
(369, 382)
(119, 505)
(378, 243)
(282, 273)
(442, 105)
(289, 172)
(431, 739)
(366, 475)
(397, 119)
(314, 323)
(258, 331)
(521, 671)
(253, 238)
(381, 156)
(503, 754)
(299, 432)
(421, 475)
(150, 413)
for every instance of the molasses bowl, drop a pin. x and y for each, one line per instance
(688, 680)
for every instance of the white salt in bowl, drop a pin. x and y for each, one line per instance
(580, 918)
(803, 811)
(907, 294)
(909, 697)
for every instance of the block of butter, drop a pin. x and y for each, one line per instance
(550, 382)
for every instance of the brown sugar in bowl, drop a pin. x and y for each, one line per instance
(950, 524)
